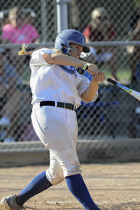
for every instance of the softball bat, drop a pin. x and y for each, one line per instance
(134, 93)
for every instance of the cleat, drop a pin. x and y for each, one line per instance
(10, 203)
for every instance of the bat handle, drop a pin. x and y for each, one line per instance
(110, 80)
(105, 77)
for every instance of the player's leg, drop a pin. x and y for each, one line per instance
(40, 182)
(37, 185)
(54, 173)
(78, 188)
(64, 151)
(71, 169)
(70, 165)
(63, 148)
(75, 183)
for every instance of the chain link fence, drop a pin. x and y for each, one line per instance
(115, 114)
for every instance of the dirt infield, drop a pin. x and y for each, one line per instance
(112, 186)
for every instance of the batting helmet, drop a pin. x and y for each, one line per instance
(68, 36)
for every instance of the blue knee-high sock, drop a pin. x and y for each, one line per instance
(37, 185)
(78, 188)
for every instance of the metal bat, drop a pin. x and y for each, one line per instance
(128, 90)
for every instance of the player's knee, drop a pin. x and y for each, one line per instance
(55, 177)
(55, 180)
(69, 162)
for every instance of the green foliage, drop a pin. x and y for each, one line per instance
(123, 74)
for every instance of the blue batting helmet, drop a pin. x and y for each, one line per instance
(68, 36)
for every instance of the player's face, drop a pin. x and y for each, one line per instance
(76, 50)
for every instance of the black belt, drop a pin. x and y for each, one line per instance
(59, 104)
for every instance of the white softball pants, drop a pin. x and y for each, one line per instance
(57, 129)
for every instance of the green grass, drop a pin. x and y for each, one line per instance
(123, 73)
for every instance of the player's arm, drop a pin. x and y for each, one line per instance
(90, 93)
(61, 59)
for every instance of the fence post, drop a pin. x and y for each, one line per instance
(44, 20)
(62, 15)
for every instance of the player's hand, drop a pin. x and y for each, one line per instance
(92, 68)
(98, 76)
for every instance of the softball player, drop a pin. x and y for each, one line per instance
(57, 90)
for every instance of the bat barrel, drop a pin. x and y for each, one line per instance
(128, 90)
(136, 94)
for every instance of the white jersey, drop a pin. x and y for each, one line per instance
(50, 82)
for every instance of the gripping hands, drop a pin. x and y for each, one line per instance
(97, 75)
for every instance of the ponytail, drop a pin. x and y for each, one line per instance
(25, 51)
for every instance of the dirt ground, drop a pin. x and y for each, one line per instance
(112, 187)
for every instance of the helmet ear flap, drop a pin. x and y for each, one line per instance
(64, 49)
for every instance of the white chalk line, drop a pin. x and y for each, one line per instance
(101, 202)
(67, 202)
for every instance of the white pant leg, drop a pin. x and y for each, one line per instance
(57, 129)
(55, 173)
